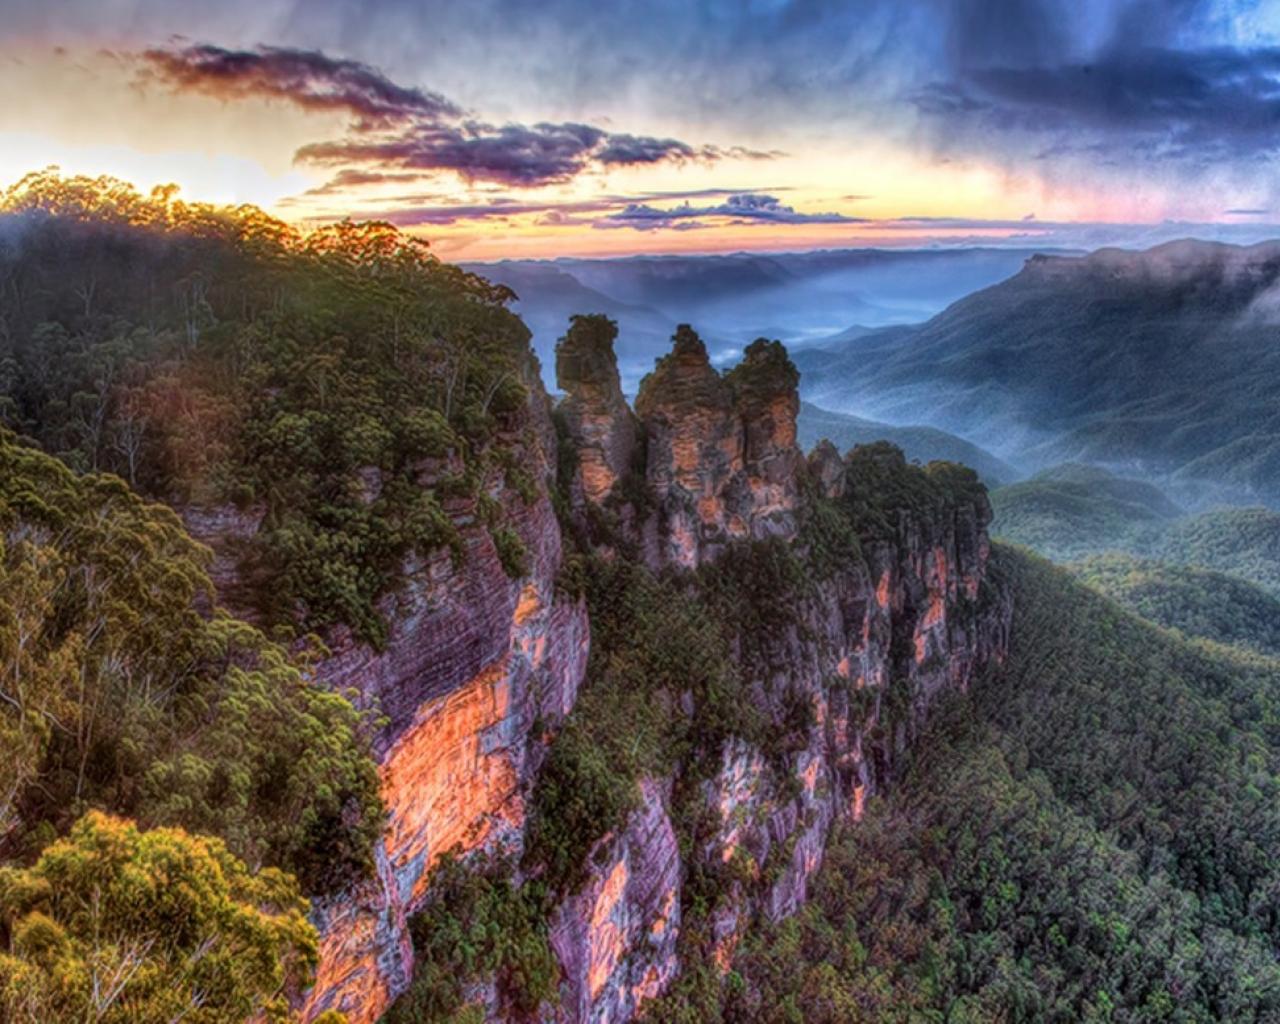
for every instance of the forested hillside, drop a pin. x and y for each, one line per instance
(919, 444)
(1199, 602)
(614, 681)
(1072, 510)
(212, 355)
(214, 359)
(120, 691)
(1091, 835)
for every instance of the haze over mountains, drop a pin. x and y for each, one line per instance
(798, 298)
(1162, 363)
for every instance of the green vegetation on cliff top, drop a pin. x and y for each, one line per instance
(212, 355)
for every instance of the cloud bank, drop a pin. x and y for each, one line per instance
(395, 127)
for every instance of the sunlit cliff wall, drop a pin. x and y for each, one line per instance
(476, 661)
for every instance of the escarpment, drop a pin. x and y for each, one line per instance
(839, 598)
(476, 665)
(854, 594)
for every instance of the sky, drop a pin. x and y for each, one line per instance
(512, 128)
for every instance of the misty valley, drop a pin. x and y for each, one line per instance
(352, 674)
(667, 513)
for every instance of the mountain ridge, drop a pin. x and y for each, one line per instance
(1160, 361)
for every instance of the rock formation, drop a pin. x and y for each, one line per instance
(874, 647)
(473, 661)
(475, 658)
(722, 455)
(600, 425)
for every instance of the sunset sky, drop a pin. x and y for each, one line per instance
(508, 128)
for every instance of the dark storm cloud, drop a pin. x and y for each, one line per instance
(1136, 82)
(1099, 92)
(309, 79)
(512, 154)
(1200, 105)
(394, 128)
(351, 178)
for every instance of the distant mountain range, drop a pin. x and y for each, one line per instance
(799, 298)
(1164, 363)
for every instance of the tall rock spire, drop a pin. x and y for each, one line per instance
(601, 427)
(722, 455)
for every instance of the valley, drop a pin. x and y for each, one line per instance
(689, 702)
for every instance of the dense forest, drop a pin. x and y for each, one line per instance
(209, 354)
(1089, 836)
(199, 355)
(1197, 601)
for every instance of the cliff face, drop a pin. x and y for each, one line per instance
(869, 650)
(476, 661)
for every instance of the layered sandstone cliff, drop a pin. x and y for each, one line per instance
(474, 660)
(721, 450)
(480, 668)
(870, 648)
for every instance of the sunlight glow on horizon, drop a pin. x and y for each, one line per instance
(89, 113)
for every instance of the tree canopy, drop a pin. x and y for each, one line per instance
(120, 926)
(340, 383)
(117, 691)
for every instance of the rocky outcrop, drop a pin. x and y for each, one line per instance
(475, 658)
(616, 936)
(596, 417)
(765, 390)
(826, 469)
(870, 648)
(722, 456)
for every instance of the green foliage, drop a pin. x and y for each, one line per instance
(1170, 745)
(1199, 602)
(119, 693)
(1090, 835)
(757, 587)
(1241, 541)
(121, 926)
(881, 487)
(656, 645)
(476, 925)
(765, 370)
(211, 354)
(1074, 510)
(512, 552)
(582, 794)
(828, 536)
